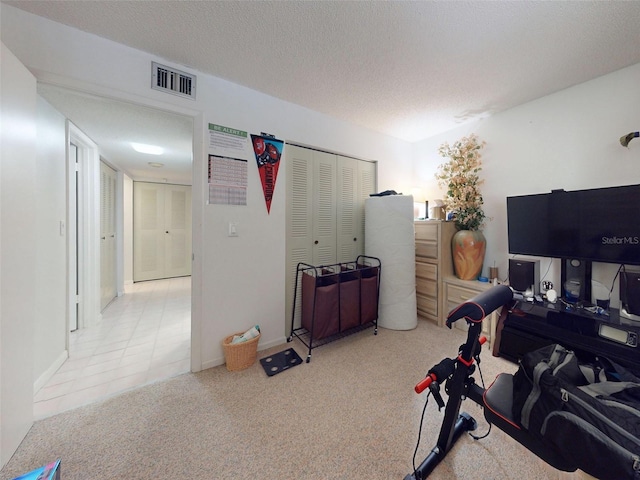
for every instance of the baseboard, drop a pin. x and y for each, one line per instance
(42, 380)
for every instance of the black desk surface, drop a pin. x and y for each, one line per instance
(541, 323)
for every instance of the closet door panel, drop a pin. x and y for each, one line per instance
(162, 231)
(324, 209)
(178, 230)
(149, 233)
(366, 186)
(299, 224)
(348, 228)
(108, 180)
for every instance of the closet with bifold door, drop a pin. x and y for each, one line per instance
(161, 231)
(325, 212)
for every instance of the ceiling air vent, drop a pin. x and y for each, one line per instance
(173, 81)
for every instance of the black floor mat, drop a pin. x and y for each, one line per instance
(280, 361)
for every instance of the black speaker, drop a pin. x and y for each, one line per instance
(576, 280)
(630, 292)
(524, 275)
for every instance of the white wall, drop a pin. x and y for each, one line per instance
(567, 140)
(50, 206)
(18, 247)
(236, 281)
(127, 235)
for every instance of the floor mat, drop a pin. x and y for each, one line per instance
(280, 361)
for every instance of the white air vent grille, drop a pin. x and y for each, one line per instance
(172, 81)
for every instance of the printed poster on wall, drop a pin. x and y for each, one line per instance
(228, 169)
(268, 151)
(227, 180)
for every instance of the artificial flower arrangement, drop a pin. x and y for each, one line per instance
(460, 177)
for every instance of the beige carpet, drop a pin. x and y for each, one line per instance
(349, 414)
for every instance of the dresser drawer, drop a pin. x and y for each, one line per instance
(427, 306)
(427, 270)
(426, 231)
(457, 295)
(426, 249)
(427, 287)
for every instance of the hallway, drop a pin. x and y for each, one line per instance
(144, 337)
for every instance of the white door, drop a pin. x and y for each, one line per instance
(17, 246)
(161, 231)
(325, 212)
(108, 268)
(177, 222)
(148, 231)
(348, 226)
(356, 181)
(299, 226)
(324, 208)
(366, 186)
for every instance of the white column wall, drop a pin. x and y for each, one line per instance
(50, 287)
(18, 246)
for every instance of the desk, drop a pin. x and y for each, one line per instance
(531, 325)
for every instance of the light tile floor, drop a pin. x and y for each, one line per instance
(144, 336)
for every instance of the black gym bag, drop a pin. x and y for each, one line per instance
(589, 411)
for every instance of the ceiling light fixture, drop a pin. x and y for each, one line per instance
(156, 164)
(149, 149)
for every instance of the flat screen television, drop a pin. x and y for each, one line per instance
(600, 225)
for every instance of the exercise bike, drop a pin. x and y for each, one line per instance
(496, 400)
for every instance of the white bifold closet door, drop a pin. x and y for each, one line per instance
(325, 211)
(108, 268)
(161, 231)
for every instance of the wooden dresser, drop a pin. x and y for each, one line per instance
(433, 261)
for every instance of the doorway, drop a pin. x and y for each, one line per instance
(95, 124)
(83, 217)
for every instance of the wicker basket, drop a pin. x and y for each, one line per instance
(239, 356)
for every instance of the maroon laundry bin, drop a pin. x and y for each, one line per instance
(368, 293)
(324, 320)
(349, 299)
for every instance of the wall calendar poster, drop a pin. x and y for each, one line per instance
(227, 180)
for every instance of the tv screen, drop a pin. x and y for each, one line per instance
(601, 225)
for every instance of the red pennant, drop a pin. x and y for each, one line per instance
(268, 151)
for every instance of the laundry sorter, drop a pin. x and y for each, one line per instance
(336, 300)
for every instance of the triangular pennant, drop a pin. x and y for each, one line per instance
(268, 151)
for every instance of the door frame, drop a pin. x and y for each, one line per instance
(198, 187)
(106, 243)
(87, 248)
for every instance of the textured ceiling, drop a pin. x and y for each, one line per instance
(407, 69)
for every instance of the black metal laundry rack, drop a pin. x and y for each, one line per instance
(337, 300)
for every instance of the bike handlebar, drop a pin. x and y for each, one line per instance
(426, 382)
(475, 309)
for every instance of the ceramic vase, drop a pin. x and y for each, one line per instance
(468, 248)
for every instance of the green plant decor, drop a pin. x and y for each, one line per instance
(460, 177)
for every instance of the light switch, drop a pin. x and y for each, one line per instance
(233, 229)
